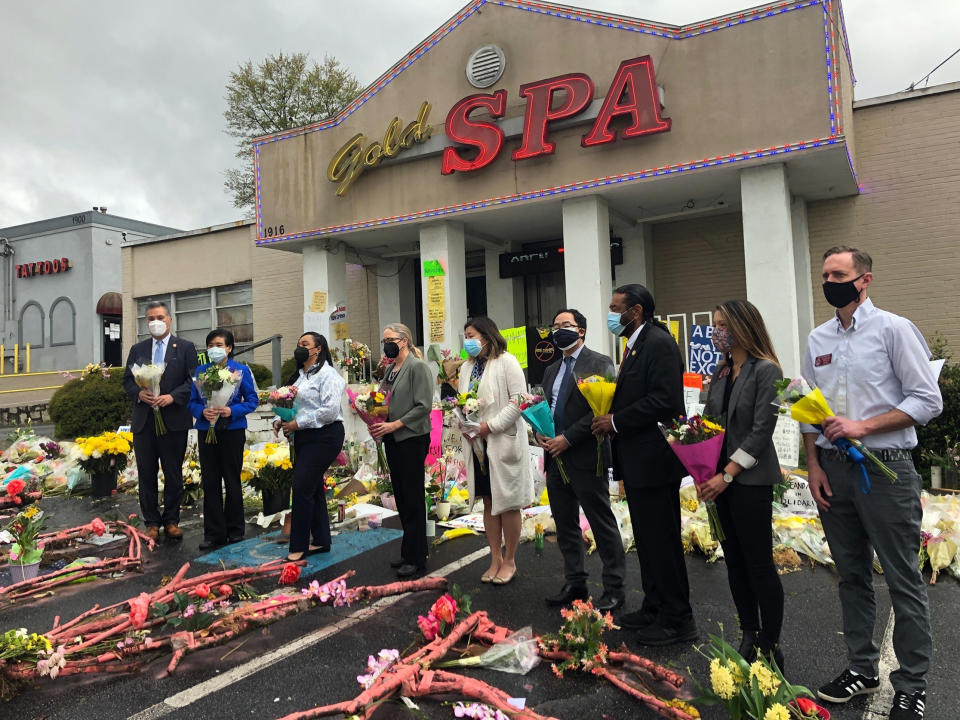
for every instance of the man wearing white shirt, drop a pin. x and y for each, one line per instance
(873, 369)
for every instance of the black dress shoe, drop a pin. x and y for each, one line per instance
(397, 563)
(610, 600)
(409, 570)
(568, 593)
(748, 646)
(636, 620)
(212, 544)
(234, 540)
(657, 635)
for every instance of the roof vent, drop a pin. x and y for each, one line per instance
(485, 66)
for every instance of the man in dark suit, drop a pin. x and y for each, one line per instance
(577, 447)
(650, 391)
(180, 357)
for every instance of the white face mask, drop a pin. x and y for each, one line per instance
(158, 328)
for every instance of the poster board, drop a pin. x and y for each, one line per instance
(702, 356)
(516, 343)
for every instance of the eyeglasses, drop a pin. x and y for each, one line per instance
(565, 326)
(392, 339)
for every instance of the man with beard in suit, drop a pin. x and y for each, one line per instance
(650, 391)
(576, 447)
(180, 358)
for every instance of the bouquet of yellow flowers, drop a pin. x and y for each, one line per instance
(268, 469)
(104, 453)
(598, 391)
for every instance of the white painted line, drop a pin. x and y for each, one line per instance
(879, 705)
(215, 684)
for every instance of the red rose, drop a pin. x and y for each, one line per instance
(225, 590)
(15, 487)
(445, 608)
(290, 574)
(97, 527)
(202, 590)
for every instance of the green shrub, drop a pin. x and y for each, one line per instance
(262, 374)
(933, 437)
(287, 369)
(90, 406)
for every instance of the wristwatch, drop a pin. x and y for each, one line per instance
(727, 478)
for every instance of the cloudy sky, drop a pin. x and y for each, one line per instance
(121, 103)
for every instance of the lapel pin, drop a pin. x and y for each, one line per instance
(174, 345)
(633, 353)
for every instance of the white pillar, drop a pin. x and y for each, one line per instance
(388, 295)
(768, 255)
(500, 291)
(801, 266)
(445, 299)
(586, 265)
(324, 271)
(637, 256)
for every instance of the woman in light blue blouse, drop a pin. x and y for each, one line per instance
(317, 439)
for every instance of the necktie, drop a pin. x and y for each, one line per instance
(561, 403)
(158, 353)
(623, 360)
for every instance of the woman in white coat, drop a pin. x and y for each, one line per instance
(503, 480)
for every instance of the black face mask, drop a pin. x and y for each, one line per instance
(391, 349)
(566, 338)
(301, 355)
(841, 294)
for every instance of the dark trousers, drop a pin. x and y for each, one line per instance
(406, 459)
(167, 450)
(314, 452)
(588, 491)
(746, 514)
(655, 516)
(220, 468)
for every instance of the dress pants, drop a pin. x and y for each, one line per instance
(588, 491)
(887, 519)
(220, 465)
(315, 449)
(746, 514)
(655, 516)
(406, 459)
(167, 450)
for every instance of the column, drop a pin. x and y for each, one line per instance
(444, 292)
(323, 271)
(637, 256)
(768, 254)
(586, 265)
(501, 296)
(388, 295)
(802, 269)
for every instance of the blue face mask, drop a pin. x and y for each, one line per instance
(615, 321)
(472, 346)
(216, 354)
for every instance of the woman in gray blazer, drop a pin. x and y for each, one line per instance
(406, 438)
(741, 396)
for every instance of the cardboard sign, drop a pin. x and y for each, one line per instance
(703, 356)
(339, 314)
(797, 500)
(516, 343)
(319, 303)
(786, 441)
(341, 331)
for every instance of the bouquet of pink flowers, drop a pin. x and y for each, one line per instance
(372, 406)
(284, 400)
(697, 442)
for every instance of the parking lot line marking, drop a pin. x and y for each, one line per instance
(208, 687)
(880, 702)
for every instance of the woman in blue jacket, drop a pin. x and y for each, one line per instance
(220, 462)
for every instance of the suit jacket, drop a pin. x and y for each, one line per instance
(177, 380)
(577, 415)
(412, 398)
(750, 420)
(649, 391)
(243, 401)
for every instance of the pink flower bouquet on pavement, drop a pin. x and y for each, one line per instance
(697, 442)
(372, 406)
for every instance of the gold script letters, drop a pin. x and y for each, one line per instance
(356, 156)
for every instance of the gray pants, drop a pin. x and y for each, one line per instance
(589, 492)
(887, 519)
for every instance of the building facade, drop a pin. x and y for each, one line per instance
(61, 289)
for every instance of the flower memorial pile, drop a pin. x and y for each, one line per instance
(217, 385)
(269, 469)
(24, 532)
(105, 453)
(354, 357)
(598, 392)
(43, 585)
(148, 377)
(184, 616)
(697, 441)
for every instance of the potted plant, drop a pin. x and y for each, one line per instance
(270, 471)
(25, 553)
(103, 456)
(756, 690)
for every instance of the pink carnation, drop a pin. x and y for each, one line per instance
(139, 610)
(202, 590)
(225, 590)
(429, 625)
(97, 527)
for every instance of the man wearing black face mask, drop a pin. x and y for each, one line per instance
(575, 442)
(873, 369)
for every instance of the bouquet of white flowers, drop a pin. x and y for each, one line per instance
(217, 384)
(148, 377)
